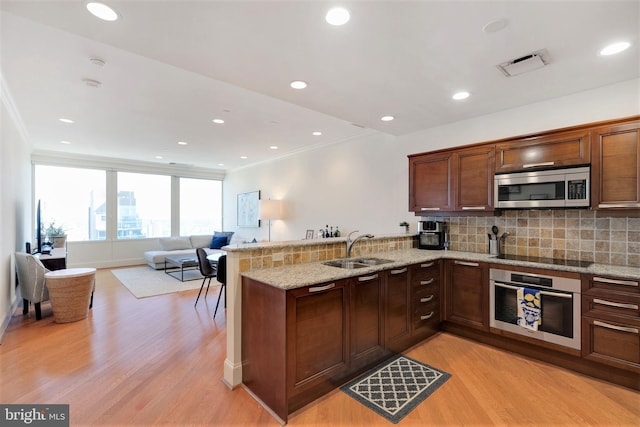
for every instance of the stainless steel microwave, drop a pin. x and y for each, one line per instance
(558, 188)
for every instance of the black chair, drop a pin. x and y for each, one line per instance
(222, 278)
(206, 269)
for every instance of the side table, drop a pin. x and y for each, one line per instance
(70, 292)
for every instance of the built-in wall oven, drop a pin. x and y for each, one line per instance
(559, 306)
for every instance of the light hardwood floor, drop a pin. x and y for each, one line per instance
(158, 361)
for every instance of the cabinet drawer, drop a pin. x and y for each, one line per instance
(425, 274)
(612, 343)
(611, 306)
(592, 284)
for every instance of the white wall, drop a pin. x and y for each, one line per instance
(15, 205)
(363, 184)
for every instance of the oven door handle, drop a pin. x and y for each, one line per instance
(551, 294)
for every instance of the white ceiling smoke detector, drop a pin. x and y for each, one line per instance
(99, 62)
(92, 82)
(525, 64)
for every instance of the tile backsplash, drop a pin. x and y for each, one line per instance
(566, 234)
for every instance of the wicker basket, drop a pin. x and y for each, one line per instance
(70, 293)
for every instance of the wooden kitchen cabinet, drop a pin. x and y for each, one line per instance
(556, 149)
(467, 294)
(431, 183)
(294, 343)
(426, 280)
(474, 178)
(397, 306)
(452, 180)
(615, 169)
(611, 321)
(365, 320)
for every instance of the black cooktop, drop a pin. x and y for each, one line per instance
(555, 261)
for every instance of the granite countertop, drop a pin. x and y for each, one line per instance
(313, 273)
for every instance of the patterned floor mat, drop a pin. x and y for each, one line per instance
(395, 387)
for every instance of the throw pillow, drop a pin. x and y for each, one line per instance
(218, 242)
(227, 234)
(200, 241)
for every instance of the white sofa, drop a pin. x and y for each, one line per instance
(178, 246)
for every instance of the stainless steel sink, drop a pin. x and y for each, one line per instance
(351, 263)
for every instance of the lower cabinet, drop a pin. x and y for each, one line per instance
(299, 344)
(611, 322)
(365, 320)
(467, 294)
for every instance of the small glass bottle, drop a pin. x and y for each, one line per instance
(337, 232)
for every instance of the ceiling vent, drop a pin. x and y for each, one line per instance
(524, 64)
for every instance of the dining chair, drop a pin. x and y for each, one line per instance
(206, 269)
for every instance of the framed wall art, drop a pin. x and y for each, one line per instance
(248, 209)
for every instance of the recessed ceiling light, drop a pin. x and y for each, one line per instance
(218, 121)
(338, 16)
(243, 157)
(458, 96)
(220, 164)
(158, 157)
(102, 11)
(387, 118)
(66, 120)
(274, 147)
(614, 48)
(298, 84)
(182, 143)
(495, 26)
(316, 133)
(65, 142)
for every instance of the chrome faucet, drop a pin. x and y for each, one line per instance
(350, 242)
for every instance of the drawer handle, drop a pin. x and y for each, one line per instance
(367, 278)
(427, 316)
(427, 299)
(533, 165)
(403, 270)
(468, 264)
(614, 327)
(427, 282)
(322, 288)
(615, 282)
(429, 209)
(429, 265)
(474, 208)
(615, 304)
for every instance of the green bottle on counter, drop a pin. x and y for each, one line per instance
(337, 232)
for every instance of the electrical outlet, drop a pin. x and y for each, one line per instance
(277, 257)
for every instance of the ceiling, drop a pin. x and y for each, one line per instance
(173, 66)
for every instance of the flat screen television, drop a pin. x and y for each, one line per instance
(38, 229)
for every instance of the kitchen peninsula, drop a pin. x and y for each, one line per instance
(301, 328)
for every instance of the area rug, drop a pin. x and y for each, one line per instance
(396, 387)
(145, 282)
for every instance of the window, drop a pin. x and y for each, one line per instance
(73, 199)
(144, 205)
(200, 206)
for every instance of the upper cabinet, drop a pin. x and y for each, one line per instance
(615, 168)
(558, 149)
(430, 182)
(452, 180)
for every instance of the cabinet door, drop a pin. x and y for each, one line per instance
(474, 183)
(397, 321)
(467, 296)
(430, 182)
(558, 149)
(317, 336)
(615, 169)
(365, 308)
